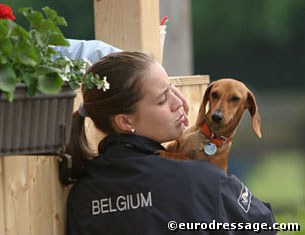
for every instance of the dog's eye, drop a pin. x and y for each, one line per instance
(235, 98)
(214, 95)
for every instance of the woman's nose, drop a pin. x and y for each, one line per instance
(176, 102)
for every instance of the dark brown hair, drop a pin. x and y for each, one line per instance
(125, 72)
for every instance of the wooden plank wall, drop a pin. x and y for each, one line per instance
(32, 201)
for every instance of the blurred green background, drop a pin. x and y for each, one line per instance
(262, 43)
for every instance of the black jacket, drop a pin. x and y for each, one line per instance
(130, 190)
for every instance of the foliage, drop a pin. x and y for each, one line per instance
(27, 56)
(259, 42)
(279, 179)
(297, 216)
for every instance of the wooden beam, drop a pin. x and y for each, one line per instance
(131, 25)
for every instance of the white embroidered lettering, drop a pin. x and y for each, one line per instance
(146, 202)
(104, 205)
(110, 206)
(95, 207)
(137, 202)
(121, 203)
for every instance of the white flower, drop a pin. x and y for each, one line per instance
(106, 85)
(69, 60)
(86, 61)
(67, 69)
(83, 70)
(64, 77)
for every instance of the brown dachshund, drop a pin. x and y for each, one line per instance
(211, 137)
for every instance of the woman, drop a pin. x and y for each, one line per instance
(128, 189)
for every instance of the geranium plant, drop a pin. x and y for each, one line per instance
(26, 56)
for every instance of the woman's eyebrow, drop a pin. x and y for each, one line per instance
(162, 93)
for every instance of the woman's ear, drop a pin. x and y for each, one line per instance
(123, 122)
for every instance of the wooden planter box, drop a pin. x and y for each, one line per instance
(32, 125)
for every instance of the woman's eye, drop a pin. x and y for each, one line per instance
(162, 101)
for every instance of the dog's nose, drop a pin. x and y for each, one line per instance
(217, 116)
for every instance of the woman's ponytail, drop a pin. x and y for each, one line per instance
(77, 151)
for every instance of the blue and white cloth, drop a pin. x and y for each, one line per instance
(91, 50)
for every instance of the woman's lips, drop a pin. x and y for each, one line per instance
(182, 119)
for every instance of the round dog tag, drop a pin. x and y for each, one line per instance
(210, 149)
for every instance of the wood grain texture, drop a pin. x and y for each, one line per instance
(131, 25)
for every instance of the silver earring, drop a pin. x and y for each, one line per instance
(133, 131)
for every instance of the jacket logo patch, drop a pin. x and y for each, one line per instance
(121, 203)
(244, 199)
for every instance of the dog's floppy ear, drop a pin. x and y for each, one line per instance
(202, 109)
(253, 109)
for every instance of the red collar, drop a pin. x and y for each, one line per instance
(218, 141)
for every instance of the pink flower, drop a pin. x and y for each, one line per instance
(6, 12)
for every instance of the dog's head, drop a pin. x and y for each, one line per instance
(227, 99)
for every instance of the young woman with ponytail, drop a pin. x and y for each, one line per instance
(127, 188)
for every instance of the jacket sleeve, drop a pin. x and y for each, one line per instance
(240, 208)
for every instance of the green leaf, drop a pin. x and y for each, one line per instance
(20, 32)
(50, 83)
(57, 39)
(52, 14)
(48, 32)
(9, 95)
(35, 18)
(6, 47)
(39, 38)
(74, 84)
(4, 29)
(3, 58)
(31, 81)
(24, 51)
(41, 70)
(8, 78)
(26, 54)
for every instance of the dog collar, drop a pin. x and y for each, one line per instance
(218, 141)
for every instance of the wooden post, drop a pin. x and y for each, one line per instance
(2, 214)
(131, 25)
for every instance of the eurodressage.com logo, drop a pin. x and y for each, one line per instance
(216, 226)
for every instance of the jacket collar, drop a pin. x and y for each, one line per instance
(130, 141)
